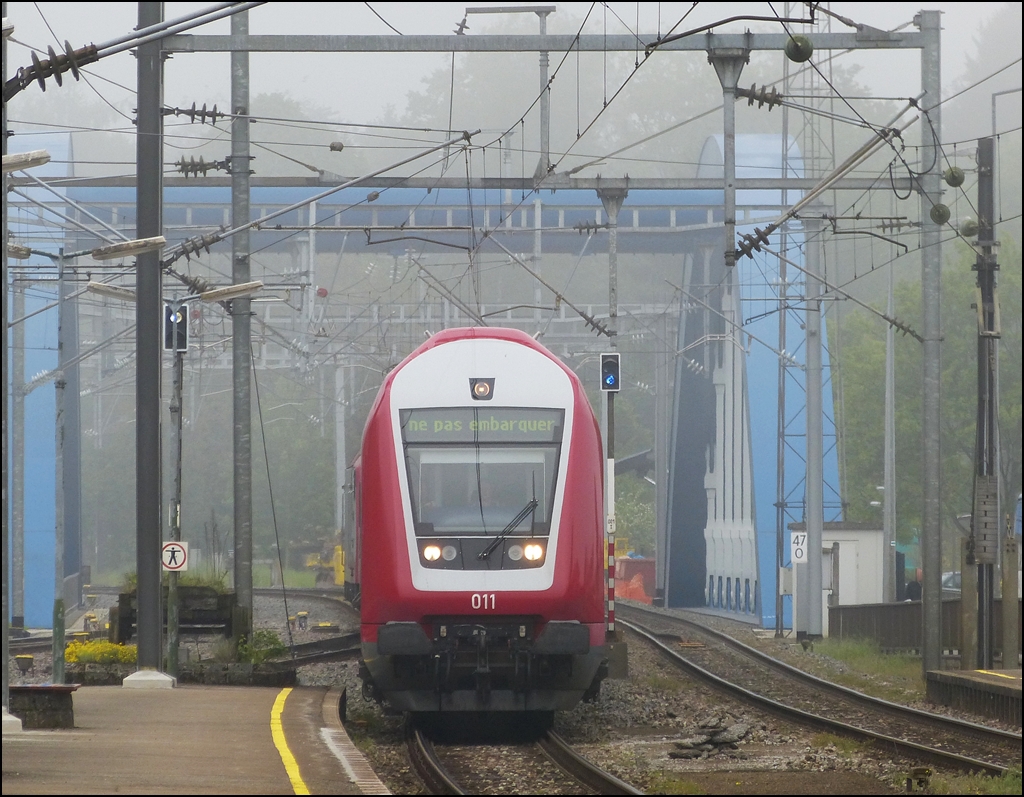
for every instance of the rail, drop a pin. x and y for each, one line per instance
(903, 746)
(587, 773)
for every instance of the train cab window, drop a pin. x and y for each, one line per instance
(466, 490)
(482, 470)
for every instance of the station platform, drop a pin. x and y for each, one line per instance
(192, 740)
(990, 693)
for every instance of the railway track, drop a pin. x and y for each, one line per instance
(754, 677)
(30, 645)
(549, 765)
(339, 645)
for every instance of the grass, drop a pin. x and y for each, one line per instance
(297, 579)
(364, 724)
(842, 745)
(892, 677)
(664, 683)
(1010, 783)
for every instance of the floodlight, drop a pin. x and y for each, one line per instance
(111, 291)
(125, 248)
(231, 291)
(18, 252)
(25, 160)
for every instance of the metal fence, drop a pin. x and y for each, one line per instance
(897, 627)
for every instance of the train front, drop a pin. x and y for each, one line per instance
(480, 516)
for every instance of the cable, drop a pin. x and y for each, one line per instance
(116, 110)
(396, 30)
(270, 492)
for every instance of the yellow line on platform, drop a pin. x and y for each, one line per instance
(291, 766)
(998, 674)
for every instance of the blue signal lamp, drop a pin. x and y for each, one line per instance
(610, 372)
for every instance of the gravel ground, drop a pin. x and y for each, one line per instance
(632, 729)
(790, 651)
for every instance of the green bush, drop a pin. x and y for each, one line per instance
(265, 645)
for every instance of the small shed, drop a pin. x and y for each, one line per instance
(853, 558)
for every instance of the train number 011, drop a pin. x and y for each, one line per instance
(482, 600)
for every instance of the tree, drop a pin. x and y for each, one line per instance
(862, 370)
(635, 516)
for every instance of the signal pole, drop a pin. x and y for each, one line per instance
(612, 200)
(178, 316)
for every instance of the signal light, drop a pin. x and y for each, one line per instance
(610, 372)
(175, 328)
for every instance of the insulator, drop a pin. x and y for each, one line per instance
(799, 49)
(954, 176)
(53, 60)
(763, 96)
(55, 65)
(939, 213)
(193, 245)
(72, 57)
(202, 113)
(40, 72)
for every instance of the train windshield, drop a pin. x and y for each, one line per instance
(474, 471)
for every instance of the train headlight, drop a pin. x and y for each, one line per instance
(515, 552)
(533, 551)
(449, 552)
(432, 553)
(481, 389)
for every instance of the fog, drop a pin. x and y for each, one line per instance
(359, 88)
(349, 93)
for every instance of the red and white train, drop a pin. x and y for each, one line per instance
(479, 530)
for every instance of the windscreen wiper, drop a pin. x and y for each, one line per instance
(531, 505)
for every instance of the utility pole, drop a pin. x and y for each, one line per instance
(544, 164)
(815, 513)
(929, 23)
(728, 63)
(889, 574)
(58, 640)
(149, 333)
(985, 531)
(662, 431)
(11, 724)
(17, 461)
(240, 330)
